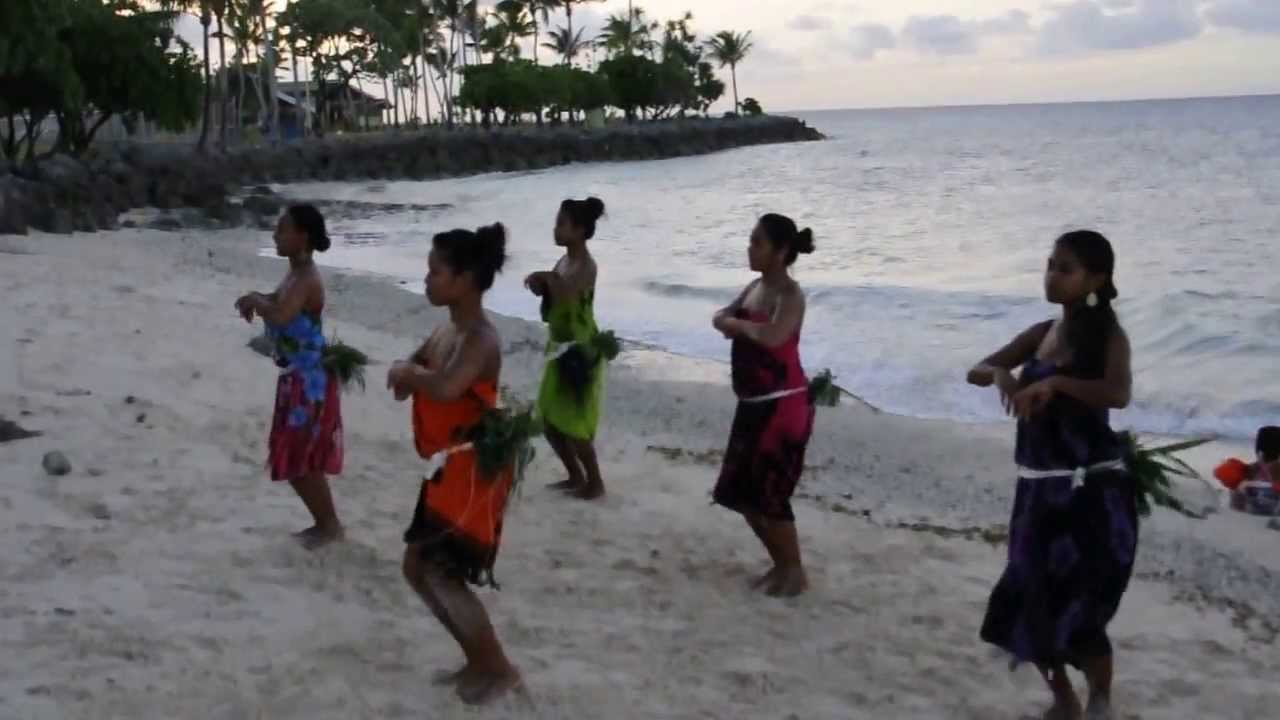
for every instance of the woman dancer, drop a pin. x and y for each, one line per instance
(306, 428)
(774, 418)
(573, 381)
(1074, 528)
(457, 524)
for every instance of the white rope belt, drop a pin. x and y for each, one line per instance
(1077, 475)
(774, 395)
(437, 459)
(555, 350)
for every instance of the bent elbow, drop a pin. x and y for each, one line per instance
(1121, 401)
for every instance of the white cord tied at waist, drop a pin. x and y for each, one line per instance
(437, 459)
(775, 395)
(555, 350)
(1077, 476)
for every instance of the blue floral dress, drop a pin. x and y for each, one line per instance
(306, 429)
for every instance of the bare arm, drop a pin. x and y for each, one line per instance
(467, 365)
(734, 306)
(1115, 388)
(282, 308)
(784, 323)
(1019, 350)
(562, 286)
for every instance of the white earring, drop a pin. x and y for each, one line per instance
(1091, 299)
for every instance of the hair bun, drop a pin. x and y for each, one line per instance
(493, 242)
(804, 241)
(321, 242)
(595, 207)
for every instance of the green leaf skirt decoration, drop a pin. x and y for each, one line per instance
(1153, 468)
(346, 362)
(503, 439)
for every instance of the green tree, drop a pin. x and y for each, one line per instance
(122, 55)
(731, 48)
(635, 83)
(36, 72)
(568, 15)
(204, 11)
(751, 107)
(708, 87)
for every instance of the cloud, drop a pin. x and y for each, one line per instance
(809, 23)
(867, 39)
(765, 57)
(950, 35)
(1085, 25)
(1258, 16)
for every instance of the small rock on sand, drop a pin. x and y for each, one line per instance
(1274, 524)
(55, 463)
(12, 431)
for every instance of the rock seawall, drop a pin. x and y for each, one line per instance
(62, 194)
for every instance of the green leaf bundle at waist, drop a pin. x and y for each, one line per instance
(1153, 468)
(501, 440)
(346, 363)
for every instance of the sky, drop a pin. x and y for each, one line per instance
(829, 54)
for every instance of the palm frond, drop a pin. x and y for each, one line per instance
(1152, 468)
(502, 441)
(346, 362)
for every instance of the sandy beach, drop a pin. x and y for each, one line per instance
(158, 578)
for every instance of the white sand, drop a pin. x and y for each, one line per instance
(158, 579)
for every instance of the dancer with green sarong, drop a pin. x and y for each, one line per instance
(573, 382)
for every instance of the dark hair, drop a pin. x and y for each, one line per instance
(1088, 329)
(481, 253)
(308, 219)
(584, 213)
(1268, 443)
(784, 235)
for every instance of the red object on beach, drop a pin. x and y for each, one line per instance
(1231, 472)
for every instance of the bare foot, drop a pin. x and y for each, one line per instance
(788, 582)
(765, 579)
(1059, 711)
(1099, 709)
(316, 537)
(485, 687)
(566, 485)
(591, 491)
(452, 677)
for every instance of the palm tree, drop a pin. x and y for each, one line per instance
(566, 45)
(206, 19)
(568, 10)
(219, 9)
(540, 8)
(515, 22)
(627, 34)
(730, 48)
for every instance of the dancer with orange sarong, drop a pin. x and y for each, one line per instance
(457, 523)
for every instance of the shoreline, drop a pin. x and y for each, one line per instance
(62, 194)
(157, 579)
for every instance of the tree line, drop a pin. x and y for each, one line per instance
(83, 62)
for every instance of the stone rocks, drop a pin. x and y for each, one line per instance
(63, 193)
(10, 430)
(56, 464)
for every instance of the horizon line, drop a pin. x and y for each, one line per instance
(1033, 103)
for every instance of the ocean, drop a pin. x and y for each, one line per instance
(932, 226)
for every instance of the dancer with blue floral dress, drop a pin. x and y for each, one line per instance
(305, 443)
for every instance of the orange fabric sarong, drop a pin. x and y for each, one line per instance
(458, 519)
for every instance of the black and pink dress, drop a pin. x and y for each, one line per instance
(771, 428)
